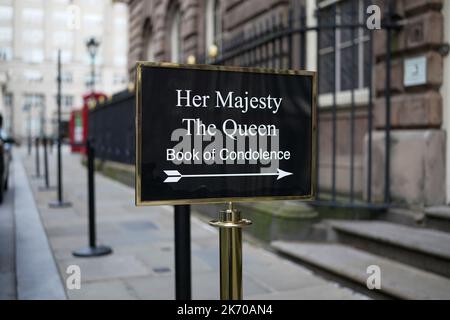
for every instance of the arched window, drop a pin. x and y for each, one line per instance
(213, 26)
(176, 52)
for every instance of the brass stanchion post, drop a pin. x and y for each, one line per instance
(230, 226)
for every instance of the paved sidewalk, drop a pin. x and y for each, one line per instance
(7, 248)
(141, 266)
(36, 272)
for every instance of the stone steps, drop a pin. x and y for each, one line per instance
(423, 248)
(397, 280)
(403, 216)
(438, 218)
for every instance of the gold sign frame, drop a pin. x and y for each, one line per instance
(138, 90)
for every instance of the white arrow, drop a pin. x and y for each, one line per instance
(175, 175)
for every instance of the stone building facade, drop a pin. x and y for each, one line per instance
(191, 30)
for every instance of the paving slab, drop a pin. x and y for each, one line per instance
(313, 293)
(103, 290)
(142, 264)
(284, 276)
(106, 267)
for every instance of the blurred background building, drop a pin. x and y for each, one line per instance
(32, 32)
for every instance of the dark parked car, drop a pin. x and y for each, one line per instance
(5, 159)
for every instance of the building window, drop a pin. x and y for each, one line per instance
(5, 54)
(8, 100)
(33, 15)
(119, 79)
(60, 18)
(34, 36)
(67, 101)
(343, 52)
(120, 60)
(6, 13)
(33, 100)
(176, 52)
(66, 55)
(90, 3)
(67, 77)
(33, 76)
(120, 8)
(93, 22)
(6, 34)
(97, 78)
(33, 55)
(62, 39)
(213, 26)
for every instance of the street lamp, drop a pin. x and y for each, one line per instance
(92, 46)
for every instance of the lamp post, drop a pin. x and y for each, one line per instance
(92, 46)
(27, 107)
(93, 250)
(59, 203)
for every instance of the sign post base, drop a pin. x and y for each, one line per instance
(230, 227)
(44, 188)
(92, 251)
(59, 204)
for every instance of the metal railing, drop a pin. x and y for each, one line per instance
(112, 130)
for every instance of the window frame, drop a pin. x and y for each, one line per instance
(343, 97)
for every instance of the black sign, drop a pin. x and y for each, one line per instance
(216, 134)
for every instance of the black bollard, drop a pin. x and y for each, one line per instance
(46, 187)
(37, 164)
(59, 203)
(45, 162)
(182, 223)
(50, 146)
(29, 142)
(93, 250)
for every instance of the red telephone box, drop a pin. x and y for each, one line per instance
(77, 131)
(78, 123)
